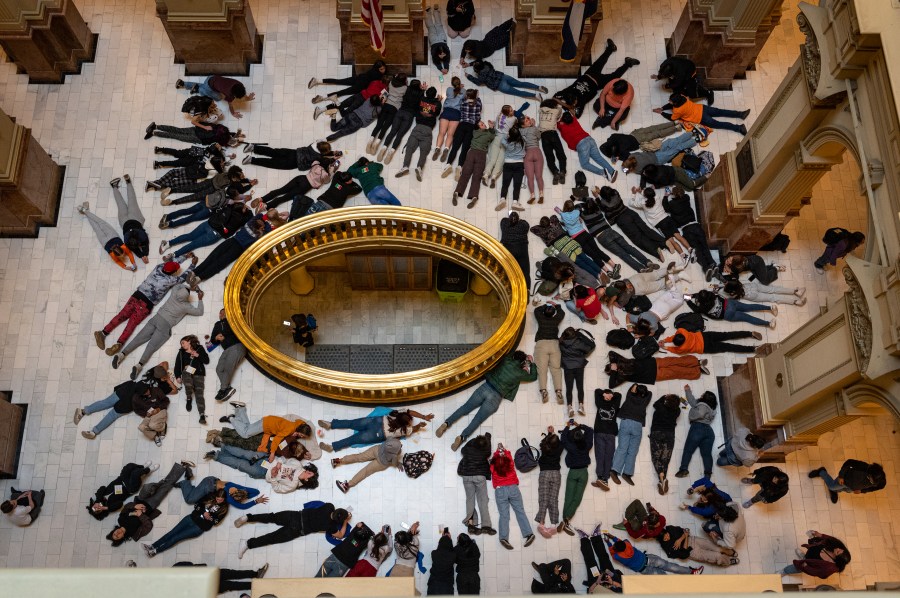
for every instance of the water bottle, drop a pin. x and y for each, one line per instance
(441, 77)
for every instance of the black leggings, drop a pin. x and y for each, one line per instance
(279, 158)
(227, 577)
(224, 254)
(357, 84)
(576, 376)
(590, 247)
(299, 185)
(402, 123)
(291, 528)
(593, 550)
(385, 118)
(462, 140)
(553, 151)
(512, 172)
(714, 342)
(633, 227)
(520, 252)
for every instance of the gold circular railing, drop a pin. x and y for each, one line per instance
(365, 228)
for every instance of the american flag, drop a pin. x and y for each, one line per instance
(372, 16)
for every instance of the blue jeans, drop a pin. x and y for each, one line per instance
(486, 400)
(192, 494)
(110, 416)
(381, 196)
(195, 213)
(587, 150)
(586, 263)
(832, 484)
(202, 236)
(673, 146)
(206, 90)
(369, 430)
(660, 566)
(790, 570)
(514, 87)
(250, 462)
(332, 567)
(699, 436)
(511, 497)
(735, 311)
(727, 457)
(709, 114)
(627, 446)
(570, 305)
(185, 530)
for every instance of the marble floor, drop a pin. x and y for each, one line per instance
(58, 288)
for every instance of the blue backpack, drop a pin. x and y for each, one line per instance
(311, 322)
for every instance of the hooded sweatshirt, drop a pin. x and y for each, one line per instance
(742, 449)
(389, 452)
(700, 412)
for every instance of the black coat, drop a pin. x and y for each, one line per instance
(468, 563)
(440, 581)
(475, 461)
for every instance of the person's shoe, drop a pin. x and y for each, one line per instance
(517, 206)
(135, 370)
(456, 442)
(505, 544)
(402, 172)
(744, 114)
(627, 478)
(163, 245)
(441, 429)
(489, 531)
(324, 424)
(189, 405)
(79, 413)
(697, 570)
(447, 172)
(113, 349)
(247, 159)
(742, 129)
(88, 434)
(261, 572)
(596, 124)
(472, 202)
(612, 179)
(444, 153)
(164, 221)
(614, 476)
(581, 410)
(831, 494)
(747, 504)
(312, 83)
(632, 61)
(571, 411)
(149, 550)
(457, 172)
(318, 98)
(568, 528)
(179, 84)
(165, 201)
(117, 360)
(100, 338)
(662, 487)
(493, 183)
(436, 154)
(237, 404)
(242, 548)
(501, 205)
(559, 528)
(389, 156)
(559, 397)
(229, 392)
(816, 472)
(381, 154)
(209, 456)
(115, 182)
(343, 486)
(418, 174)
(376, 145)
(157, 440)
(319, 111)
(772, 324)
(682, 473)
(619, 526)
(326, 447)
(333, 97)
(130, 563)
(535, 566)
(455, 199)
(148, 132)
(704, 369)
(601, 484)
(529, 540)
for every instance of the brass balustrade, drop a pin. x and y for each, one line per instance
(358, 229)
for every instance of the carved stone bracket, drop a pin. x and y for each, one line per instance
(860, 320)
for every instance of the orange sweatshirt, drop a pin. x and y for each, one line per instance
(276, 428)
(689, 112)
(121, 262)
(693, 342)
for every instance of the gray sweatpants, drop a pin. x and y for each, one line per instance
(153, 494)
(155, 333)
(228, 364)
(129, 210)
(103, 229)
(419, 138)
(476, 492)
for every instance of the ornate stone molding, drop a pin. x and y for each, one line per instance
(860, 320)
(809, 53)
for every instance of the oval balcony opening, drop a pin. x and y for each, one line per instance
(438, 302)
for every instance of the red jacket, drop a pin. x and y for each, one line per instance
(374, 88)
(510, 478)
(571, 133)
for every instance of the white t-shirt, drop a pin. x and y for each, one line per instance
(20, 516)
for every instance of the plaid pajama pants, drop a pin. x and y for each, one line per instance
(549, 483)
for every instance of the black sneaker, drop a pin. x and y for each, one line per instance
(614, 476)
(117, 360)
(229, 392)
(210, 455)
(489, 531)
(225, 419)
(627, 478)
(188, 405)
(202, 419)
(682, 473)
(135, 370)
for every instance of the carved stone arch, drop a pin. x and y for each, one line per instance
(860, 394)
(822, 137)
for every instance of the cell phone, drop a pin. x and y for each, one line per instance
(404, 525)
(687, 297)
(286, 323)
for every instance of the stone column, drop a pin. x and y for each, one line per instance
(47, 39)
(538, 36)
(30, 182)
(404, 36)
(212, 37)
(723, 37)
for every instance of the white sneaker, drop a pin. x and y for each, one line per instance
(518, 206)
(501, 206)
(163, 245)
(240, 521)
(242, 548)
(153, 467)
(318, 112)
(403, 172)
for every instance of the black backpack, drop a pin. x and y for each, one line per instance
(197, 105)
(645, 347)
(835, 235)
(692, 322)
(638, 304)
(619, 338)
(526, 457)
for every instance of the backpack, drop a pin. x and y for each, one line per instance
(585, 340)
(544, 283)
(619, 338)
(311, 322)
(638, 304)
(779, 243)
(645, 347)
(415, 464)
(197, 104)
(526, 457)
(692, 322)
(835, 235)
